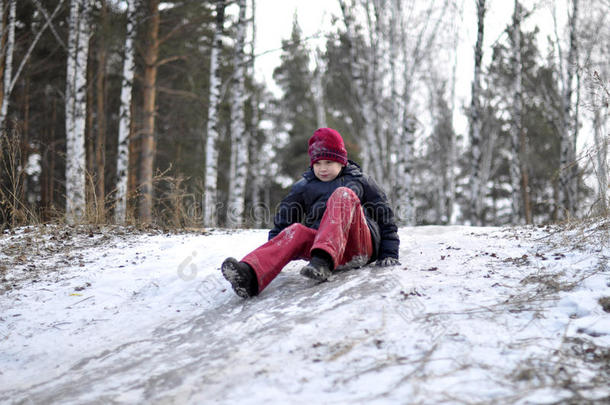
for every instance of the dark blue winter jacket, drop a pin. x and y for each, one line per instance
(306, 204)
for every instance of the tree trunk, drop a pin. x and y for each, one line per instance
(8, 61)
(89, 133)
(318, 91)
(257, 161)
(394, 102)
(10, 79)
(567, 148)
(210, 215)
(405, 202)
(363, 101)
(404, 139)
(120, 211)
(100, 139)
(76, 85)
(239, 135)
(518, 163)
(452, 152)
(376, 21)
(373, 92)
(133, 165)
(477, 189)
(516, 127)
(46, 153)
(27, 147)
(601, 147)
(2, 53)
(151, 53)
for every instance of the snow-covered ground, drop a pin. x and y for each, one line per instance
(472, 315)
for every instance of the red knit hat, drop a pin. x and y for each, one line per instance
(327, 144)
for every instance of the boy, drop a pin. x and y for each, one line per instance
(334, 216)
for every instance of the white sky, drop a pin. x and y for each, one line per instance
(274, 23)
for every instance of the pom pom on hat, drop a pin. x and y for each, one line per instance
(327, 144)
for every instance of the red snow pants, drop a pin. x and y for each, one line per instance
(343, 234)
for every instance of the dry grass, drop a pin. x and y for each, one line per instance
(14, 209)
(175, 207)
(564, 371)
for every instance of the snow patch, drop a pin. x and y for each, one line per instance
(503, 315)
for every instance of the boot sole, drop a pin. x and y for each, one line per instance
(315, 274)
(231, 274)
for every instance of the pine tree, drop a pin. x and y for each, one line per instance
(151, 54)
(101, 97)
(296, 107)
(541, 103)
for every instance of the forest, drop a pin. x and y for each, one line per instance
(149, 112)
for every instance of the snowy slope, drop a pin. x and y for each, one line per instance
(473, 315)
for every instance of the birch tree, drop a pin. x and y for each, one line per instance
(516, 126)
(78, 42)
(518, 158)
(212, 129)
(239, 135)
(477, 189)
(125, 114)
(257, 142)
(567, 180)
(595, 37)
(404, 137)
(8, 58)
(2, 55)
(601, 105)
(602, 142)
(387, 41)
(10, 79)
(318, 90)
(427, 23)
(450, 194)
(361, 89)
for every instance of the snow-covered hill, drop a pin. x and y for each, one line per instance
(472, 315)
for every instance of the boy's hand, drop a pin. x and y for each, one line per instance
(387, 262)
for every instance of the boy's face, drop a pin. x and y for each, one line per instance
(327, 170)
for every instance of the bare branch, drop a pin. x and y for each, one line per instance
(32, 45)
(49, 19)
(170, 59)
(179, 93)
